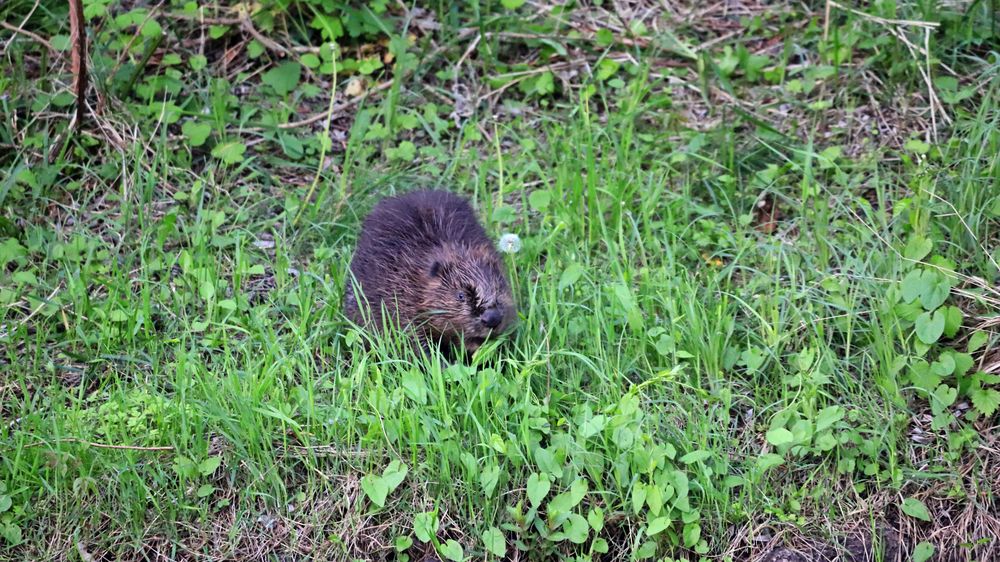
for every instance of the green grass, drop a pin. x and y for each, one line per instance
(177, 378)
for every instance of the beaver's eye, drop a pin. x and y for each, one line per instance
(460, 296)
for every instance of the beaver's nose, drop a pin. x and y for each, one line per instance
(492, 318)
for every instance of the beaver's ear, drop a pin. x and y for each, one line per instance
(438, 268)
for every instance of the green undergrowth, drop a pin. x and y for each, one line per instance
(177, 377)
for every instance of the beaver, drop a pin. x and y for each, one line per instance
(423, 259)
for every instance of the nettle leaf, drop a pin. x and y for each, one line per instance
(405, 151)
(284, 77)
(538, 488)
(495, 542)
(230, 152)
(985, 400)
(916, 509)
(929, 327)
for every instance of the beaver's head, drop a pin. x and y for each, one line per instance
(467, 297)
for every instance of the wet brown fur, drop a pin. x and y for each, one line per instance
(424, 259)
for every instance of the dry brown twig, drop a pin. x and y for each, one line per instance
(78, 57)
(34, 36)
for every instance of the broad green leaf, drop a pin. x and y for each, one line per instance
(402, 543)
(600, 546)
(376, 489)
(654, 498)
(414, 386)
(936, 290)
(284, 77)
(779, 436)
(196, 133)
(198, 62)
(638, 497)
(425, 526)
(540, 199)
(917, 248)
(915, 508)
(917, 145)
(647, 550)
(695, 456)
(394, 474)
(828, 416)
(570, 275)
(209, 465)
(913, 285)
(658, 525)
(495, 542)
(692, 532)
(538, 488)
(592, 426)
(976, 341)
(929, 327)
(488, 479)
(452, 550)
(952, 321)
(769, 460)
(576, 528)
(923, 552)
(596, 519)
(207, 291)
(566, 501)
(406, 151)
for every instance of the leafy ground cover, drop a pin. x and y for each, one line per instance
(757, 276)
